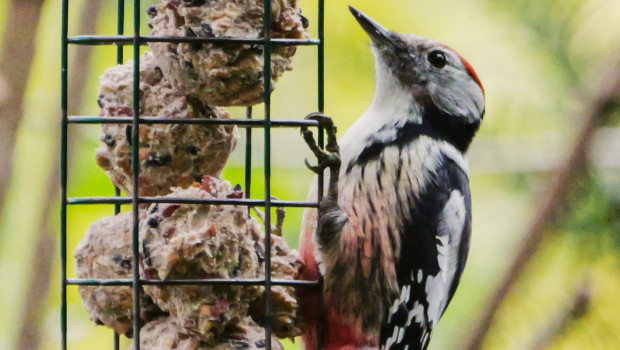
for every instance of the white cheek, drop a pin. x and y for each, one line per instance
(455, 93)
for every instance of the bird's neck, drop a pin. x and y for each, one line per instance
(392, 102)
(391, 105)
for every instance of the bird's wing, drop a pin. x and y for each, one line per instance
(435, 241)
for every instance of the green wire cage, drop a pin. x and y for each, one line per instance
(136, 40)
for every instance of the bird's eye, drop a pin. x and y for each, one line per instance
(437, 58)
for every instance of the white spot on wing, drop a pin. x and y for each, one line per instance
(451, 223)
(436, 292)
(408, 293)
(443, 259)
(393, 309)
(420, 275)
(391, 340)
(453, 216)
(416, 314)
(401, 335)
(404, 294)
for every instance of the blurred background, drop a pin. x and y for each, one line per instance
(544, 266)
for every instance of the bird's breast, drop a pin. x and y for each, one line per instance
(379, 193)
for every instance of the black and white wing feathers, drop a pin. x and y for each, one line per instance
(435, 242)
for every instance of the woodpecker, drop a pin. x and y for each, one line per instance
(394, 225)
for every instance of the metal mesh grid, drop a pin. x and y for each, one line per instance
(136, 41)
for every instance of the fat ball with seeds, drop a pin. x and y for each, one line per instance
(224, 74)
(170, 154)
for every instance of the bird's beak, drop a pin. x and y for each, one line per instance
(377, 33)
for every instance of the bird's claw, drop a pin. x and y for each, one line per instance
(314, 169)
(330, 128)
(330, 157)
(280, 214)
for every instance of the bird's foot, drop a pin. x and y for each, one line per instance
(330, 157)
(280, 214)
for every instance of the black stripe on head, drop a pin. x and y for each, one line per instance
(457, 130)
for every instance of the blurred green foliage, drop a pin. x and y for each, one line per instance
(538, 60)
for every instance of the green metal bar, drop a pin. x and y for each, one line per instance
(267, 166)
(321, 57)
(321, 139)
(120, 29)
(242, 123)
(63, 171)
(321, 84)
(183, 200)
(321, 81)
(135, 168)
(143, 40)
(187, 282)
(247, 182)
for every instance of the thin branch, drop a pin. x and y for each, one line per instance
(605, 101)
(578, 308)
(45, 237)
(15, 64)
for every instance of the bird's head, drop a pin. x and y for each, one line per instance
(442, 88)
